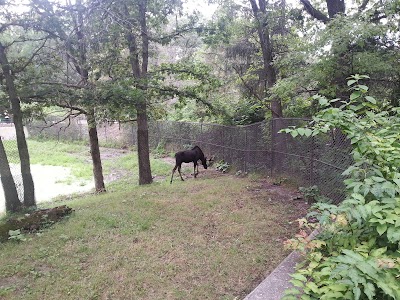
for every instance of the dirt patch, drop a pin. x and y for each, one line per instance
(34, 221)
(187, 169)
(169, 160)
(270, 195)
(110, 153)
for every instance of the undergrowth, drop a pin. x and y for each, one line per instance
(357, 253)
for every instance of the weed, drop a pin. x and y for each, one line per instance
(279, 180)
(313, 195)
(160, 150)
(222, 166)
(16, 235)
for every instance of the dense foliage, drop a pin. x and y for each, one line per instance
(356, 255)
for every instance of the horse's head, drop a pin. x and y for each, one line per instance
(204, 162)
(207, 161)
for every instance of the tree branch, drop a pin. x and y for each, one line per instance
(363, 5)
(31, 58)
(314, 12)
(253, 92)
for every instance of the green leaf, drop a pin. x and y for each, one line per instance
(357, 293)
(299, 277)
(381, 228)
(332, 295)
(307, 132)
(378, 252)
(323, 101)
(369, 290)
(350, 82)
(397, 181)
(355, 95)
(297, 283)
(378, 179)
(312, 286)
(393, 234)
(301, 131)
(370, 99)
(338, 287)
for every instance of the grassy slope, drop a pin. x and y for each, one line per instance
(198, 239)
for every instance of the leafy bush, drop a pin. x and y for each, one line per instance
(357, 253)
(312, 195)
(222, 166)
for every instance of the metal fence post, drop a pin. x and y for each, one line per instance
(133, 135)
(272, 123)
(312, 161)
(105, 131)
(222, 143)
(246, 146)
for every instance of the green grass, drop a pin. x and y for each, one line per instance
(209, 238)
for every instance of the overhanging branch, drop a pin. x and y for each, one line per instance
(314, 12)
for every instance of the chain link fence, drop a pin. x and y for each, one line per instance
(254, 148)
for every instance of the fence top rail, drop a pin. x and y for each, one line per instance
(211, 124)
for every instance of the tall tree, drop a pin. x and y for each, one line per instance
(10, 191)
(357, 38)
(248, 34)
(139, 60)
(71, 88)
(9, 74)
(137, 27)
(268, 75)
(329, 41)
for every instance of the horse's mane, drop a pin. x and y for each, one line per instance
(197, 147)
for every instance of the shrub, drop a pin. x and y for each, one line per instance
(357, 253)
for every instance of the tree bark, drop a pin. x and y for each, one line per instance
(29, 189)
(143, 144)
(95, 153)
(10, 191)
(334, 7)
(268, 75)
(139, 73)
(81, 68)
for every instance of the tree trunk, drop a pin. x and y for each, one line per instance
(139, 73)
(29, 190)
(143, 144)
(95, 153)
(81, 67)
(268, 75)
(10, 191)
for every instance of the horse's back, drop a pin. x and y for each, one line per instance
(198, 150)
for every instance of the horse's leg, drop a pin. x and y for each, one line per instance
(194, 171)
(179, 170)
(173, 171)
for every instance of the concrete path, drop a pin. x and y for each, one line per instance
(274, 286)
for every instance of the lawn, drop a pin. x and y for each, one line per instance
(214, 237)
